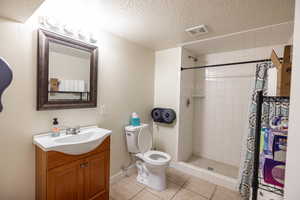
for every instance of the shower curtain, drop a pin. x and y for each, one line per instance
(246, 170)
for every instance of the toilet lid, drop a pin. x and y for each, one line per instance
(144, 140)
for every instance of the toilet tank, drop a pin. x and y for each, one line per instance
(132, 133)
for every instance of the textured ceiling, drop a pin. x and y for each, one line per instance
(279, 34)
(18, 10)
(160, 24)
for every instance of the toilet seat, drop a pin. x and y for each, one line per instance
(144, 142)
(157, 158)
(151, 157)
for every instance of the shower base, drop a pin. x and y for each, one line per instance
(214, 166)
(210, 170)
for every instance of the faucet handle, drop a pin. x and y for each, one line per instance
(77, 129)
(69, 131)
(73, 131)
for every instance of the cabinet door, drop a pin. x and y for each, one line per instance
(97, 177)
(66, 182)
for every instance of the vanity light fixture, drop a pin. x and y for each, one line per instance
(92, 38)
(53, 24)
(82, 35)
(68, 29)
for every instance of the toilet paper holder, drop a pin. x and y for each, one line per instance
(163, 115)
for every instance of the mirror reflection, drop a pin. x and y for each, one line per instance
(69, 73)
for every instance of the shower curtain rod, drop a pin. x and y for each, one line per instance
(227, 64)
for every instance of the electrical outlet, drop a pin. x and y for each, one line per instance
(103, 110)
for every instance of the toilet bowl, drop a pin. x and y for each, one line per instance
(153, 173)
(151, 165)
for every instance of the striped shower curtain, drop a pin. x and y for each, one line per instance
(246, 171)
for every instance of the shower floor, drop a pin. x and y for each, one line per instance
(214, 166)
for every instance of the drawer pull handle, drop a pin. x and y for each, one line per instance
(83, 165)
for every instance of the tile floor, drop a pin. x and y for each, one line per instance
(218, 167)
(180, 187)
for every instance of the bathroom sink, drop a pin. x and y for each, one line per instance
(88, 139)
(75, 138)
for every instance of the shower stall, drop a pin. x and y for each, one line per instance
(214, 112)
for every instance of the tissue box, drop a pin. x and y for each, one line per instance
(274, 172)
(54, 84)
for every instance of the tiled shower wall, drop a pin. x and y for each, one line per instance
(220, 118)
(185, 138)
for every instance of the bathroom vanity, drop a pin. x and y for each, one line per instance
(63, 172)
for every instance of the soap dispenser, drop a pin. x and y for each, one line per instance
(135, 120)
(55, 131)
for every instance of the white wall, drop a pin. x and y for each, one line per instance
(221, 117)
(292, 178)
(185, 137)
(121, 90)
(167, 94)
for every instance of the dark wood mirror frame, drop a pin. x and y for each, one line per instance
(43, 103)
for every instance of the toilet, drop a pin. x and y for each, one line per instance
(151, 165)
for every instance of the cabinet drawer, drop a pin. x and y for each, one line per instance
(56, 159)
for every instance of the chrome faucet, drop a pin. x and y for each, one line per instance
(73, 131)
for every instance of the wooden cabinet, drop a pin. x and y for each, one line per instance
(66, 182)
(68, 177)
(95, 176)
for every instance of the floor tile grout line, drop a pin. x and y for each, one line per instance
(137, 193)
(185, 181)
(197, 193)
(180, 185)
(213, 194)
(149, 190)
(180, 188)
(183, 187)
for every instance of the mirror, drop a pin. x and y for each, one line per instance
(67, 72)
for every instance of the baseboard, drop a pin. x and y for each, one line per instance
(121, 174)
(212, 177)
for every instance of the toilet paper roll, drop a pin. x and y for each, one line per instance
(156, 114)
(168, 115)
